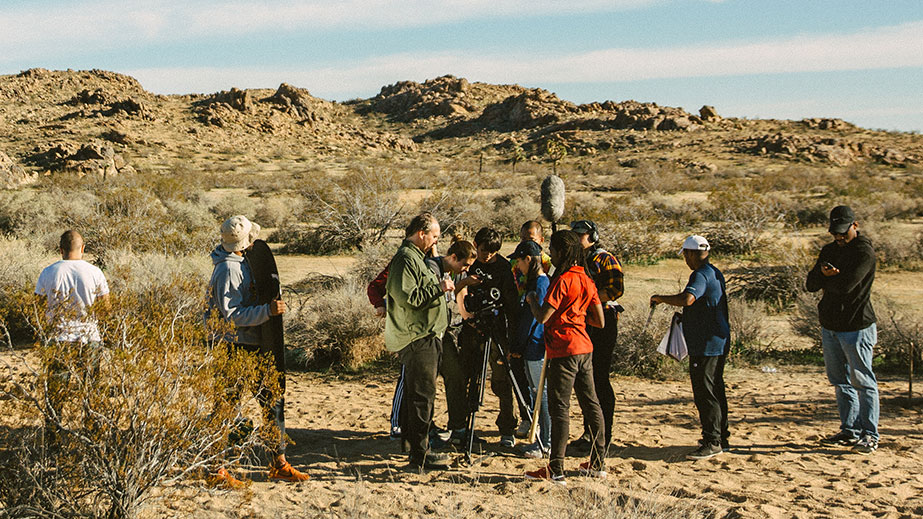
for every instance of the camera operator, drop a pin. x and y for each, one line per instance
(496, 278)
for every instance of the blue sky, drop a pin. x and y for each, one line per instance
(859, 60)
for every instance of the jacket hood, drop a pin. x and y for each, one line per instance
(219, 255)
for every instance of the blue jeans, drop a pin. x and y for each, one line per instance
(533, 373)
(848, 358)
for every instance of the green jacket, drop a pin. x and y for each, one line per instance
(415, 303)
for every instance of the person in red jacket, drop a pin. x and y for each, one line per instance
(571, 303)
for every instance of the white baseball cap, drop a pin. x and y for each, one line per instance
(695, 242)
(237, 233)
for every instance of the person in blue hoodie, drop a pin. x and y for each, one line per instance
(233, 296)
(529, 338)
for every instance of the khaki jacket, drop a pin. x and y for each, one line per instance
(415, 303)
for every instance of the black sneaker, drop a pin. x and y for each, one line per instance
(432, 460)
(866, 445)
(841, 438)
(725, 445)
(705, 451)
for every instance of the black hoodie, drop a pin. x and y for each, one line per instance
(846, 305)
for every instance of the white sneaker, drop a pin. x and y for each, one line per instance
(508, 441)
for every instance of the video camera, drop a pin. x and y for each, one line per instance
(484, 297)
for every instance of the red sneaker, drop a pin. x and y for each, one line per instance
(224, 479)
(545, 473)
(585, 470)
(286, 472)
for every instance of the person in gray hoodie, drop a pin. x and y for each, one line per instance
(233, 295)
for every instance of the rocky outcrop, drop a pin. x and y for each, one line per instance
(96, 158)
(827, 124)
(13, 175)
(839, 152)
(709, 114)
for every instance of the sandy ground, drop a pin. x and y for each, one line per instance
(776, 467)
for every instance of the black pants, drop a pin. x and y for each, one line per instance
(273, 408)
(604, 340)
(707, 374)
(564, 375)
(421, 363)
(455, 380)
(472, 351)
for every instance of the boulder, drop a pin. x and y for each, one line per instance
(13, 175)
(709, 114)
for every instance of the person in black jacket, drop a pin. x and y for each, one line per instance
(845, 270)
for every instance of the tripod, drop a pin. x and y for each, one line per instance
(484, 323)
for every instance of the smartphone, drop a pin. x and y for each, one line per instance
(829, 265)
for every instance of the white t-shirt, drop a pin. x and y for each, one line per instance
(71, 286)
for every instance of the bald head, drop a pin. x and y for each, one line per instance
(71, 245)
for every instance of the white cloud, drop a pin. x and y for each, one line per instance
(33, 31)
(884, 47)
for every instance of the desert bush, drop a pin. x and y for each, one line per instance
(154, 404)
(636, 350)
(233, 204)
(278, 211)
(21, 262)
(898, 328)
(350, 212)
(895, 249)
(142, 274)
(458, 211)
(742, 217)
(335, 328)
(511, 210)
(659, 177)
(633, 242)
(747, 321)
(775, 285)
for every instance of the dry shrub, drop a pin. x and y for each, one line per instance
(741, 217)
(634, 242)
(511, 210)
(278, 211)
(895, 249)
(349, 213)
(636, 350)
(335, 328)
(898, 328)
(152, 405)
(20, 264)
(775, 285)
(234, 204)
(747, 321)
(458, 211)
(659, 177)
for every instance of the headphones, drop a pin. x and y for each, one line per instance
(593, 234)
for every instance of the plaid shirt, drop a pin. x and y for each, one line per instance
(606, 271)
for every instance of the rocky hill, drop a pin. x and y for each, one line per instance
(99, 122)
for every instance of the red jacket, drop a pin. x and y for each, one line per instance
(376, 288)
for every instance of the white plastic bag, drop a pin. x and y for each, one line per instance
(673, 344)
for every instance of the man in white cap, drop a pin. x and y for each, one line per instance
(708, 338)
(233, 296)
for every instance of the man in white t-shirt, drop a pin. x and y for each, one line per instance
(70, 286)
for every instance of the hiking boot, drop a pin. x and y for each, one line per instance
(459, 437)
(431, 460)
(585, 470)
(866, 445)
(523, 431)
(545, 473)
(705, 451)
(534, 451)
(841, 438)
(286, 472)
(224, 479)
(508, 441)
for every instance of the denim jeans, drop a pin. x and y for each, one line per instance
(848, 358)
(534, 372)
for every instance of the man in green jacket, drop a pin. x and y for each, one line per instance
(414, 325)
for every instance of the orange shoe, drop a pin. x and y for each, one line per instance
(224, 479)
(286, 472)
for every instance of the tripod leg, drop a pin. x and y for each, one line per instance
(516, 391)
(477, 402)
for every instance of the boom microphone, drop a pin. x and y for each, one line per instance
(552, 199)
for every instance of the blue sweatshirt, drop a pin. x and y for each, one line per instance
(529, 339)
(233, 294)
